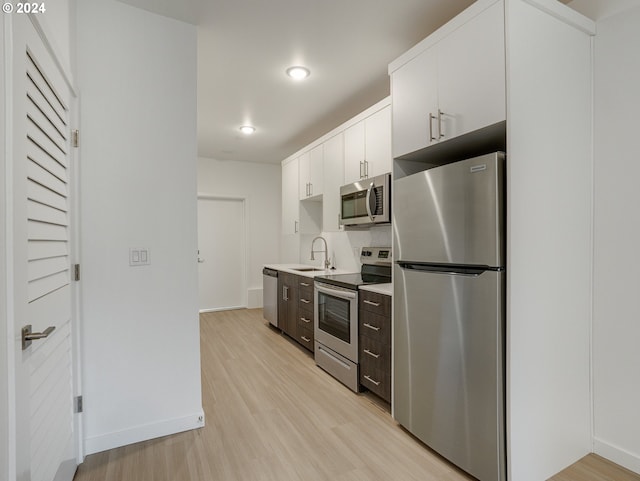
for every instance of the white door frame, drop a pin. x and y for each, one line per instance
(8, 335)
(245, 232)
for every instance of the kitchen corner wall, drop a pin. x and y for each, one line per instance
(138, 151)
(616, 311)
(5, 349)
(260, 185)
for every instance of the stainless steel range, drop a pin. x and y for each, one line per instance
(336, 314)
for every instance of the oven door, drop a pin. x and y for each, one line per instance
(336, 319)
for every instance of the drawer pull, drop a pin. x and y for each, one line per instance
(304, 284)
(371, 303)
(305, 301)
(304, 319)
(374, 328)
(377, 383)
(305, 339)
(372, 354)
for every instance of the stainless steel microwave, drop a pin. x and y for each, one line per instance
(367, 201)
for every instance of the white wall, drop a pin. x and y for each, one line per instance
(260, 185)
(5, 350)
(616, 326)
(137, 78)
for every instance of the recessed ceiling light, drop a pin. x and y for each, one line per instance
(247, 129)
(298, 73)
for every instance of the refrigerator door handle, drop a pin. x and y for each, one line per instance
(466, 271)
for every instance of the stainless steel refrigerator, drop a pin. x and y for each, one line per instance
(449, 311)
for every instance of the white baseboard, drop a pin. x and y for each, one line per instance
(104, 442)
(218, 309)
(618, 455)
(254, 297)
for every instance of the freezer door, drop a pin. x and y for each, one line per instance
(452, 214)
(448, 352)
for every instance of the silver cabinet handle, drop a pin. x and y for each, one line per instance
(362, 170)
(305, 301)
(440, 134)
(374, 328)
(377, 383)
(310, 189)
(366, 168)
(371, 303)
(285, 293)
(305, 339)
(304, 284)
(304, 319)
(372, 354)
(431, 137)
(295, 226)
(28, 336)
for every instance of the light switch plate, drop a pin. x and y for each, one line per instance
(139, 256)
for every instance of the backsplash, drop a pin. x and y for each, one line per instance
(344, 246)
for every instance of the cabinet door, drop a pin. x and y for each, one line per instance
(471, 74)
(333, 180)
(316, 170)
(378, 143)
(290, 206)
(354, 153)
(414, 89)
(304, 169)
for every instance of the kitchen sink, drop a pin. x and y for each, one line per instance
(306, 269)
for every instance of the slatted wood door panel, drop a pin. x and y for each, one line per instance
(42, 271)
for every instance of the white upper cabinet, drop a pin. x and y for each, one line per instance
(354, 153)
(333, 180)
(367, 147)
(414, 89)
(377, 131)
(311, 173)
(453, 87)
(471, 92)
(290, 198)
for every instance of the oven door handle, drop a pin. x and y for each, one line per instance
(342, 294)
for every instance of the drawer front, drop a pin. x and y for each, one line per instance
(375, 327)
(305, 284)
(305, 337)
(376, 303)
(375, 354)
(305, 318)
(375, 374)
(306, 298)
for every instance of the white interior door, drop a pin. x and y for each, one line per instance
(221, 256)
(40, 256)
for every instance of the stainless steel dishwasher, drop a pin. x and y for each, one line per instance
(270, 295)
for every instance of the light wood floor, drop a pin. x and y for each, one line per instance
(271, 414)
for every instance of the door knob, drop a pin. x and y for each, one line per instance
(28, 336)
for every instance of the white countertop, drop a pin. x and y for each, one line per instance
(386, 289)
(291, 269)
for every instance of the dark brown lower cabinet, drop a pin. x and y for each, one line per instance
(375, 343)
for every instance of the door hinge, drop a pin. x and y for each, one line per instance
(75, 137)
(77, 404)
(76, 272)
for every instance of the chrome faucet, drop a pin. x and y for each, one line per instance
(326, 252)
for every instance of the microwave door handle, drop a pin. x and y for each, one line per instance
(368, 201)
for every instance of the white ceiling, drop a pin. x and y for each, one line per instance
(244, 47)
